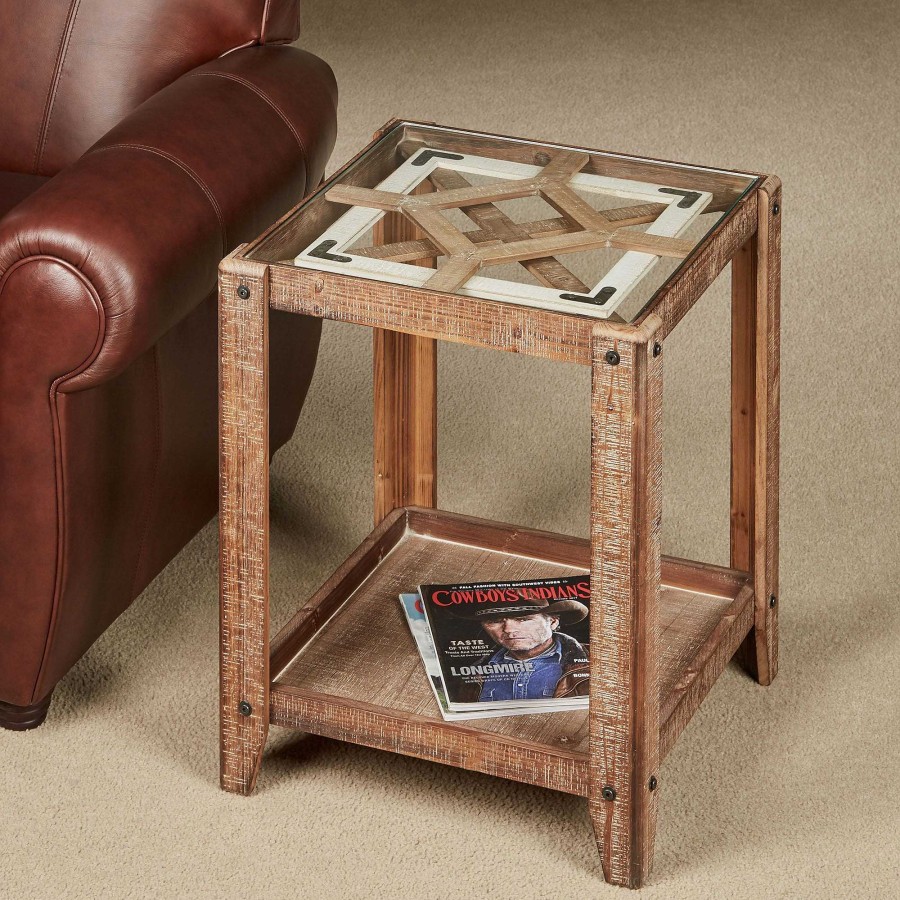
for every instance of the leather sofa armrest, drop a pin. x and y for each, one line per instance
(145, 216)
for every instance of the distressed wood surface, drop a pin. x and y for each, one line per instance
(405, 401)
(494, 222)
(322, 661)
(725, 186)
(662, 630)
(756, 296)
(465, 258)
(466, 320)
(626, 514)
(243, 520)
(457, 745)
(688, 283)
(743, 403)
(405, 421)
(336, 590)
(299, 227)
(573, 208)
(703, 577)
(638, 214)
(700, 674)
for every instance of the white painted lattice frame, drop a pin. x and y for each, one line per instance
(623, 276)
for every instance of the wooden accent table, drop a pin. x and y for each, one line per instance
(575, 255)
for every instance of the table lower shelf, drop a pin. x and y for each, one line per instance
(346, 665)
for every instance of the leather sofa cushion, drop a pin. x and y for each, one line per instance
(14, 188)
(71, 69)
(144, 218)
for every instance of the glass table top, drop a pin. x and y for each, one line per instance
(516, 221)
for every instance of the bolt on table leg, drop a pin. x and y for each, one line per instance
(243, 521)
(626, 514)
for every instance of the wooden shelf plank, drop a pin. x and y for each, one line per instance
(346, 666)
(682, 696)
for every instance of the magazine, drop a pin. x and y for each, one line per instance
(517, 646)
(415, 616)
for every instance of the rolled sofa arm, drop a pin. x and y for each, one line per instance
(129, 237)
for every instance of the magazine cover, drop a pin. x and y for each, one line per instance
(522, 644)
(415, 616)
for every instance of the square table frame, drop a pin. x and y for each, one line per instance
(627, 738)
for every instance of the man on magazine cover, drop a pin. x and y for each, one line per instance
(527, 631)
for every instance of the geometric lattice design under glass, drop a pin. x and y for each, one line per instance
(464, 254)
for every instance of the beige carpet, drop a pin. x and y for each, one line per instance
(790, 791)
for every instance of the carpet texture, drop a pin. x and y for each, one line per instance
(787, 791)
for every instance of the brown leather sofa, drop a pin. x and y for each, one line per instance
(140, 142)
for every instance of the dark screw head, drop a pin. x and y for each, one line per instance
(612, 357)
(657, 348)
(608, 793)
(772, 601)
(775, 208)
(541, 158)
(652, 783)
(244, 708)
(244, 292)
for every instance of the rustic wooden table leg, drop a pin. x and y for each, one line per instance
(755, 377)
(626, 513)
(405, 418)
(243, 520)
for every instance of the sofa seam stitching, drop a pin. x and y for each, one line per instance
(266, 99)
(148, 515)
(244, 46)
(186, 169)
(262, 25)
(61, 53)
(59, 469)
